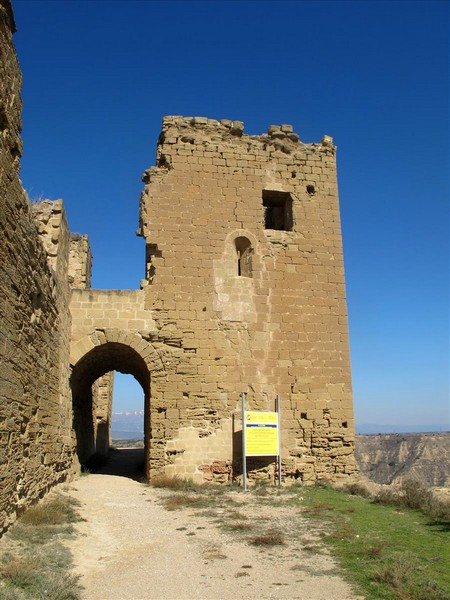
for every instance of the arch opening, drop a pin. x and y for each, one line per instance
(92, 412)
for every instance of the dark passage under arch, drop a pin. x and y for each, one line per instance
(111, 356)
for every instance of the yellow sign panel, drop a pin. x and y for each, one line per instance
(261, 433)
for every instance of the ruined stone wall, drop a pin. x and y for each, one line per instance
(245, 279)
(36, 441)
(80, 262)
(102, 398)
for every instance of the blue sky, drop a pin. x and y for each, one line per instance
(100, 75)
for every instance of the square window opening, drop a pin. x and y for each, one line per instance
(277, 210)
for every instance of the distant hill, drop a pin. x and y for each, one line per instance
(389, 458)
(370, 428)
(127, 425)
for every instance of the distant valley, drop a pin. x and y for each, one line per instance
(387, 459)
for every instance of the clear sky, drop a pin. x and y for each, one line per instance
(100, 75)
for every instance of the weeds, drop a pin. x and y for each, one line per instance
(213, 552)
(357, 488)
(342, 532)
(411, 494)
(395, 572)
(318, 509)
(179, 501)
(35, 567)
(58, 511)
(174, 483)
(272, 538)
(237, 526)
(399, 575)
(373, 551)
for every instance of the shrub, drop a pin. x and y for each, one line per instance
(357, 488)
(386, 496)
(439, 508)
(395, 573)
(414, 494)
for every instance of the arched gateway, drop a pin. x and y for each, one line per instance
(92, 357)
(110, 332)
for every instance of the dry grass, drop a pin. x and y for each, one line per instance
(179, 501)
(57, 511)
(395, 573)
(20, 571)
(233, 521)
(381, 550)
(390, 553)
(36, 565)
(411, 494)
(214, 552)
(237, 526)
(273, 537)
(318, 509)
(174, 483)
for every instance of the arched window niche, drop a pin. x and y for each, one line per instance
(244, 254)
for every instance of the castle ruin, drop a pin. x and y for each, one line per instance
(244, 292)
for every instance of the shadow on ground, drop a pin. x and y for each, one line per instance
(123, 462)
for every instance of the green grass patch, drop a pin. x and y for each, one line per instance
(391, 553)
(36, 565)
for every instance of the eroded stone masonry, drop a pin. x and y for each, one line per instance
(244, 291)
(245, 281)
(36, 434)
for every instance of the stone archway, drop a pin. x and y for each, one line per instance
(92, 357)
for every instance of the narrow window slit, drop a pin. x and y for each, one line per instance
(244, 253)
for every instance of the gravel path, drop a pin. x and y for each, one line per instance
(131, 548)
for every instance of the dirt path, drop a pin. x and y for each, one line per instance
(131, 548)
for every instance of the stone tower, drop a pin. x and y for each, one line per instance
(245, 283)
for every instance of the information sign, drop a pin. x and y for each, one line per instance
(261, 433)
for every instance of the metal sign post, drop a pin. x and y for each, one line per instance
(244, 454)
(278, 409)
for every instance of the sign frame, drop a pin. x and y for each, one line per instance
(263, 433)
